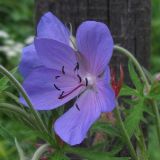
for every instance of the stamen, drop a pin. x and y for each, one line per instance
(77, 107)
(86, 81)
(80, 79)
(56, 77)
(63, 70)
(65, 95)
(77, 67)
(56, 87)
(62, 93)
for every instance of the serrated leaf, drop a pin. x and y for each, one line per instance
(134, 117)
(128, 91)
(135, 77)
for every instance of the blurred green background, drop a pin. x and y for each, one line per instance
(155, 56)
(17, 30)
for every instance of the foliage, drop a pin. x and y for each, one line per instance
(107, 139)
(155, 36)
(134, 120)
(14, 13)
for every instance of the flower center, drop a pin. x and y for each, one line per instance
(89, 79)
(86, 81)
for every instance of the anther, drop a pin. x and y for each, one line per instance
(56, 87)
(86, 81)
(77, 67)
(61, 94)
(80, 79)
(56, 77)
(63, 70)
(77, 107)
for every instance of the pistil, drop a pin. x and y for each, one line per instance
(67, 94)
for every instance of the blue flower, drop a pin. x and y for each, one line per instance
(55, 73)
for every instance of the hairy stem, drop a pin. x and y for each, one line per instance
(14, 81)
(24, 116)
(136, 63)
(40, 151)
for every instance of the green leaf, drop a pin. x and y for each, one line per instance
(116, 148)
(20, 150)
(134, 117)
(128, 91)
(6, 134)
(4, 81)
(135, 77)
(19, 114)
(153, 145)
(155, 91)
(59, 156)
(106, 128)
(93, 155)
(148, 74)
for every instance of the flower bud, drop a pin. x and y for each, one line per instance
(117, 84)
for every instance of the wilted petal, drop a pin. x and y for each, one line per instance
(39, 85)
(29, 60)
(72, 127)
(55, 55)
(51, 27)
(95, 43)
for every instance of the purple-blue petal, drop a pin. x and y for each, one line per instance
(106, 96)
(51, 27)
(95, 42)
(29, 60)
(72, 127)
(40, 88)
(48, 27)
(55, 55)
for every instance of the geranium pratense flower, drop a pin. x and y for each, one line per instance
(65, 73)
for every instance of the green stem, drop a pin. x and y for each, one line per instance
(7, 108)
(13, 108)
(24, 94)
(129, 144)
(136, 63)
(156, 112)
(37, 155)
(143, 145)
(20, 151)
(139, 68)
